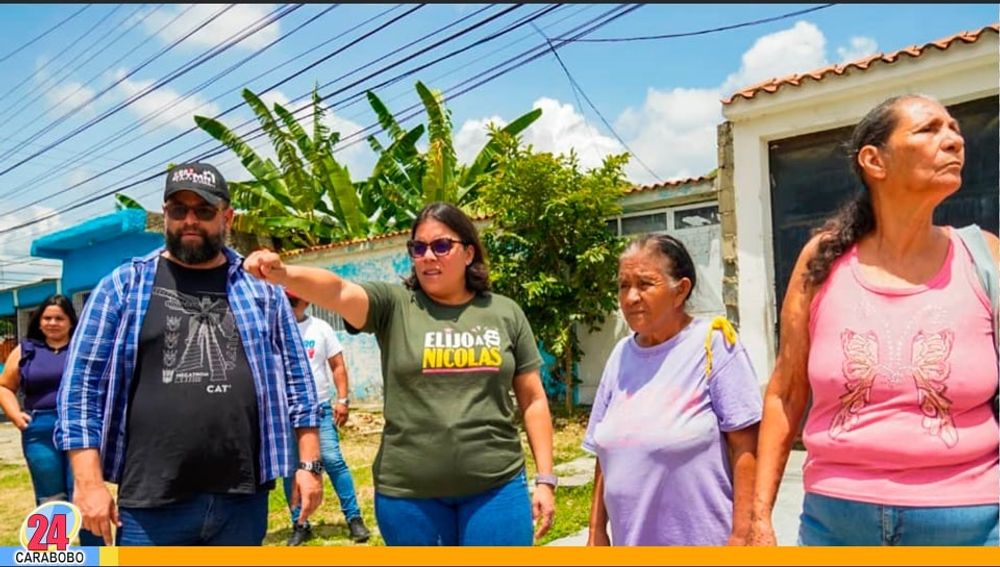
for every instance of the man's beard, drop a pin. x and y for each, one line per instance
(194, 254)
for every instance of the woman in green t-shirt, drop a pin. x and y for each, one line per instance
(450, 469)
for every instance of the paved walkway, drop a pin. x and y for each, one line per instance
(786, 508)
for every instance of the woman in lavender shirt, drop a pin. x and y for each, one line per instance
(674, 422)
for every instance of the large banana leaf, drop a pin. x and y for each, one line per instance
(123, 201)
(439, 178)
(342, 191)
(385, 118)
(291, 164)
(264, 171)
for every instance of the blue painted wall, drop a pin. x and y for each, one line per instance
(361, 352)
(84, 267)
(27, 296)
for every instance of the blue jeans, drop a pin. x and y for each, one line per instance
(834, 521)
(333, 463)
(205, 519)
(500, 516)
(51, 474)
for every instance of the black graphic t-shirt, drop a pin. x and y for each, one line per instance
(192, 420)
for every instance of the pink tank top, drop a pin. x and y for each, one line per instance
(902, 381)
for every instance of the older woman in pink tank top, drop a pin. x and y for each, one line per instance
(887, 327)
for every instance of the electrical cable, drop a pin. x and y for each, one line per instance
(32, 41)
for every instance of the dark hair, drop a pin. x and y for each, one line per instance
(681, 264)
(856, 218)
(477, 274)
(60, 301)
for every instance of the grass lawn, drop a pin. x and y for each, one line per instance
(359, 444)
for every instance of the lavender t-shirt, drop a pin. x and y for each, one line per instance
(657, 428)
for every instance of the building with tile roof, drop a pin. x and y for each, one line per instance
(782, 168)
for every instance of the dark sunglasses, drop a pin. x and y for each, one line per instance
(201, 212)
(439, 246)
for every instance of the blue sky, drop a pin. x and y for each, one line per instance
(660, 96)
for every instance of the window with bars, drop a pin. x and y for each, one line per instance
(665, 220)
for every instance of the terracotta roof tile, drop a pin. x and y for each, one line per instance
(669, 184)
(914, 51)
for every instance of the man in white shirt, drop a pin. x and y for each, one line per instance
(327, 361)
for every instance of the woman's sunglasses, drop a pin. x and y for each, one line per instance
(201, 212)
(439, 246)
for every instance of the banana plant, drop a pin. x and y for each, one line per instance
(411, 178)
(123, 201)
(307, 197)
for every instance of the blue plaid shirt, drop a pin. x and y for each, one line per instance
(93, 395)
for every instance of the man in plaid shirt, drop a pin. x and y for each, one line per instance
(186, 378)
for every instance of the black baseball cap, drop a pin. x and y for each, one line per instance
(200, 178)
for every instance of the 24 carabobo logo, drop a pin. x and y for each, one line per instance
(47, 532)
(51, 527)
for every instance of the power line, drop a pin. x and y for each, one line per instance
(576, 87)
(43, 79)
(305, 107)
(41, 90)
(607, 18)
(120, 134)
(408, 91)
(414, 110)
(234, 107)
(212, 53)
(259, 131)
(42, 131)
(191, 92)
(31, 42)
(48, 62)
(497, 71)
(705, 31)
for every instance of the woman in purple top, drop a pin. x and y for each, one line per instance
(674, 424)
(36, 367)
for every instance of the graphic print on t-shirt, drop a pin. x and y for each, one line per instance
(310, 346)
(880, 354)
(203, 348)
(451, 351)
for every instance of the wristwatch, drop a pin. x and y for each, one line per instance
(315, 467)
(345, 401)
(549, 479)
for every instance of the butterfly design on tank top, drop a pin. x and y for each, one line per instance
(927, 367)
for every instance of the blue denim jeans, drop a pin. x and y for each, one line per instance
(205, 519)
(500, 516)
(51, 474)
(834, 521)
(336, 468)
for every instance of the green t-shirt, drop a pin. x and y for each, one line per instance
(447, 372)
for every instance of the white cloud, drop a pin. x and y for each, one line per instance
(561, 128)
(674, 130)
(69, 96)
(165, 103)
(78, 175)
(674, 133)
(858, 48)
(74, 93)
(473, 135)
(798, 49)
(16, 245)
(234, 21)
